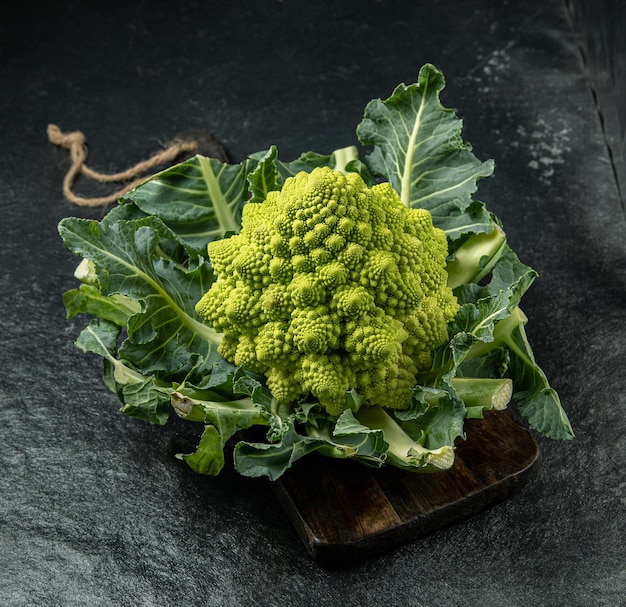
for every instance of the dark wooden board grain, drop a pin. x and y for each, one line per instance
(346, 513)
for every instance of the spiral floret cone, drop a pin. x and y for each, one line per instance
(331, 286)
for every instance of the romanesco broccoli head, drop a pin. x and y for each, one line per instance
(331, 286)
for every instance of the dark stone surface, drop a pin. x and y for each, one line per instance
(602, 24)
(94, 508)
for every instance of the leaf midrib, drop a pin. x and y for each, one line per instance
(405, 192)
(224, 217)
(196, 327)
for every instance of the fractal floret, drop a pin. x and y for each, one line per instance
(330, 286)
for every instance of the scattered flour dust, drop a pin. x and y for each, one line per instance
(490, 69)
(545, 142)
(497, 64)
(546, 145)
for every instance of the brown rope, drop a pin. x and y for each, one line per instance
(76, 143)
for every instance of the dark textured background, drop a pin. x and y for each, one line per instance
(602, 26)
(94, 508)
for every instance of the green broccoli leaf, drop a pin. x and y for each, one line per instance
(435, 418)
(481, 309)
(349, 438)
(420, 151)
(222, 419)
(100, 337)
(199, 199)
(492, 365)
(346, 438)
(536, 400)
(490, 319)
(130, 261)
(88, 299)
(474, 219)
(208, 458)
(346, 160)
(265, 177)
(143, 397)
(305, 162)
(273, 459)
(147, 400)
(270, 173)
(126, 211)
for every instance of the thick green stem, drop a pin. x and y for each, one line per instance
(503, 330)
(475, 258)
(403, 451)
(487, 393)
(194, 409)
(332, 448)
(344, 156)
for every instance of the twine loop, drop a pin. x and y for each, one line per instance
(76, 143)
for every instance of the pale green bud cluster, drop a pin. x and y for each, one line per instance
(331, 286)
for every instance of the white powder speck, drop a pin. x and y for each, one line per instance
(547, 147)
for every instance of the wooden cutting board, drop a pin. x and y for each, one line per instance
(346, 513)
